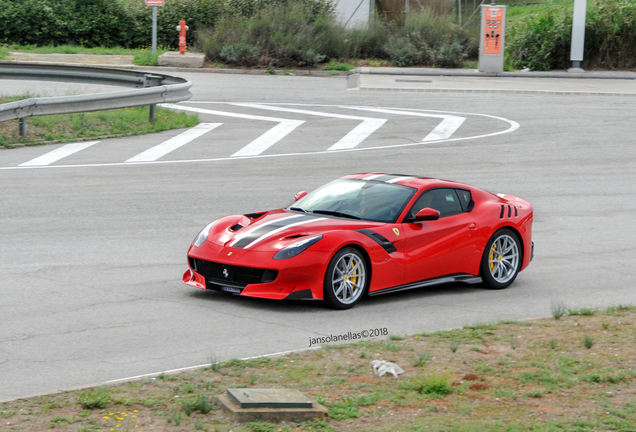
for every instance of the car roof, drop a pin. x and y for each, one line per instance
(406, 180)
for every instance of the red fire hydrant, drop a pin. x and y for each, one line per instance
(181, 28)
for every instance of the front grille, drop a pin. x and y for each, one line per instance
(236, 276)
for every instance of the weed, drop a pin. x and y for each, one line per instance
(453, 346)
(433, 385)
(392, 347)
(553, 343)
(95, 398)
(343, 411)
(588, 342)
(558, 309)
(583, 311)
(174, 417)
(335, 66)
(514, 342)
(187, 406)
(204, 403)
(421, 360)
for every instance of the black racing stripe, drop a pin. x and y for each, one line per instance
(259, 232)
(380, 239)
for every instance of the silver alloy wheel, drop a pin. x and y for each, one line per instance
(349, 278)
(503, 259)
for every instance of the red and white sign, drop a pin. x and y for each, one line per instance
(154, 2)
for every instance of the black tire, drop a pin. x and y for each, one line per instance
(346, 280)
(499, 269)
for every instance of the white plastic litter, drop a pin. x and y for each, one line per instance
(381, 367)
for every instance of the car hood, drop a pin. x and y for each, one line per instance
(277, 229)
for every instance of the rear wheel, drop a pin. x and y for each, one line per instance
(502, 259)
(346, 279)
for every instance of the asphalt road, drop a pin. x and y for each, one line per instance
(93, 248)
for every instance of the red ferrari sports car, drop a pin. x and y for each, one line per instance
(372, 234)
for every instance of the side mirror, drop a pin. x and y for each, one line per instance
(426, 214)
(300, 195)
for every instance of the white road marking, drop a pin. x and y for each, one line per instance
(511, 127)
(260, 144)
(269, 138)
(58, 153)
(154, 153)
(351, 140)
(442, 131)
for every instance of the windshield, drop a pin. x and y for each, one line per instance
(357, 199)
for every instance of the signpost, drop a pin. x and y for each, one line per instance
(578, 34)
(154, 4)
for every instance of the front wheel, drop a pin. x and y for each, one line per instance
(502, 259)
(346, 279)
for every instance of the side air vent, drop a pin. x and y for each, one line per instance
(509, 211)
(236, 227)
(255, 215)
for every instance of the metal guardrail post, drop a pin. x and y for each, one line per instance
(23, 126)
(153, 113)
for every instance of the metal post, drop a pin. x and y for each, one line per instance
(153, 113)
(23, 126)
(154, 29)
(578, 34)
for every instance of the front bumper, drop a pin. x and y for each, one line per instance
(213, 267)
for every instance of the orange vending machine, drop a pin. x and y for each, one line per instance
(492, 39)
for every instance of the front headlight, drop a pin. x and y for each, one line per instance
(296, 248)
(203, 235)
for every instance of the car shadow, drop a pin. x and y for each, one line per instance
(318, 306)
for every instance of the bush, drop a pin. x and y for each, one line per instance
(298, 33)
(431, 40)
(542, 41)
(89, 23)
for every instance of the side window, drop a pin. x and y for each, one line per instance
(464, 198)
(445, 201)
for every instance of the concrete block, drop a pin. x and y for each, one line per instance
(187, 60)
(232, 409)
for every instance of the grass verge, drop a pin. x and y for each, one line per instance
(540, 375)
(143, 56)
(85, 126)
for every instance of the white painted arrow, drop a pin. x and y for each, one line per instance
(154, 153)
(58, 153)
(442, 131)
(260, 144)
(351, 140)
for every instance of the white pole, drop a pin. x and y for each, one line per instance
(154, 29)
(578, 32)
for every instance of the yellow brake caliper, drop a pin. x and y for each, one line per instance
(492, 255)
(354, 279)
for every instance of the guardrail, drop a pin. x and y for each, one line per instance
(149, 89)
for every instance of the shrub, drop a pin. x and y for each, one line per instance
(542, 41)
(299, 33)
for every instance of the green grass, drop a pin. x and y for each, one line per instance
(85, 126)
(550, 382)
(142, 56)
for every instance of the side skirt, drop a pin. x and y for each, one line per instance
(465, 278)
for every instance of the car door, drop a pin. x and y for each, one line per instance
(444, 246)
